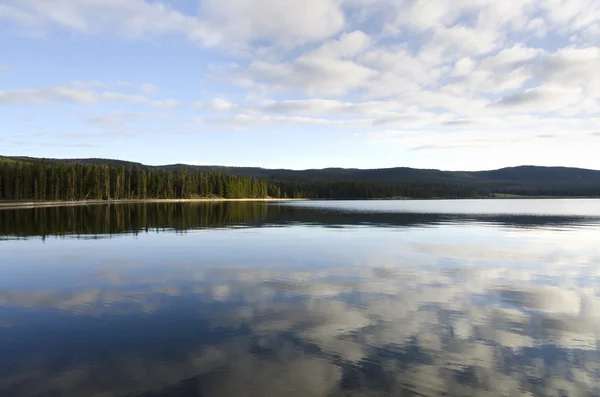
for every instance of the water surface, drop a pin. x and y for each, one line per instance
(378, 298)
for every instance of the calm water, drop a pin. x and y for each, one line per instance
(378, 298)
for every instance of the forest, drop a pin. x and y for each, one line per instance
(24, 180)
(70, 182)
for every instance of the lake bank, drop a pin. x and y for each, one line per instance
(9, 205)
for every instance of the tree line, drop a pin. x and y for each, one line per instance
(357, 189)
(40, 181)
(23, 180)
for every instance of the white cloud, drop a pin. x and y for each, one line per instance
(331, 107)
(398, 62)
(463, 67)
(286, 22)
(235, 22)
(511, 58)
(67, 94)
(11, 13)
(76, 93)
(541, 99)
(422, 14)
(148, 89)
(244, 120)
(571, 14)
(221, 104)
(133, 18)
(573, 66)
(455, 66)
(122, 120)
(5, 68)
(346, 47)
(463, 40)
(312, 74)
(166, 104)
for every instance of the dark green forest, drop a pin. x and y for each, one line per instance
(25, 180)
(40, 181)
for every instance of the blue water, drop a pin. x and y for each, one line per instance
(377, 298)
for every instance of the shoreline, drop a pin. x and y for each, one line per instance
(11, 205)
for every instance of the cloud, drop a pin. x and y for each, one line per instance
(573, 66)
(52, 143)
(235, 23)
(11, 13)
(285, 22)
(119, 120)
(133, 19)
(244, 119)
(67, 94)
(463, 40)
(331, 107)
(437, 65)
(511, 58)
(423, 15)
(5, 68)
(166, 104)
(439, 147)
(221, 104)
(148, 89)
(347, 46)
(312, 74)
(468, 122)
(83, 93)
(571, 15)
(541, 99)
(463, 67)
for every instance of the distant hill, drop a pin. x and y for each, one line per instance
(522, 180)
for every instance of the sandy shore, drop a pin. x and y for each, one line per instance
(40, 204)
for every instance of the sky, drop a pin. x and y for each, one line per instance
(446, 84)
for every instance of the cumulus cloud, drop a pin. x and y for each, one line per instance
(236, 22)
(435, 64)
(221, 104)
(312, 74)
(136, 18)
(573, 66)
(543, 98)
(286, 22)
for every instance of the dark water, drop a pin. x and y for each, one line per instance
(463, 298)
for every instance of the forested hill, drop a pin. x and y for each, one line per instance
(325, 183)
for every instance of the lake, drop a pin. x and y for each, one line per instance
(316, 298)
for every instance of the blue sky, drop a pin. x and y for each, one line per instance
(303, 84)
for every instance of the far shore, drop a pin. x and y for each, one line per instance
(40, 204)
